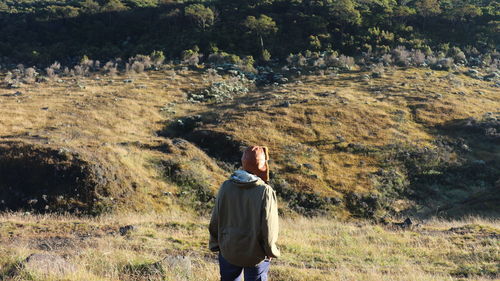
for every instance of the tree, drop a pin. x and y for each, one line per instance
(203, 16)
(90, 6)
(345, 12)
(261, 26)
(63, 12)
(114, 6)
(428, 8)
(463, 12)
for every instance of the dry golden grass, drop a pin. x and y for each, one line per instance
(108, 120)
(312, 249)
(119, 122)
(402, 108)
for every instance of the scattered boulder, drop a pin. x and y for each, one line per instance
(308, 166)
(474, 74)
(492, 76)
(284, 104)
(406, 224)
(14, 85)
(180, 262)
(124, 230)
(48, 264)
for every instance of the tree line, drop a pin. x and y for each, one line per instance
(42, 31)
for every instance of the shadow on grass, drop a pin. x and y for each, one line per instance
(460, 177)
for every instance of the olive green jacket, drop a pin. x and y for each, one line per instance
(244, 224)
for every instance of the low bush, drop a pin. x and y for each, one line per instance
(222, 90)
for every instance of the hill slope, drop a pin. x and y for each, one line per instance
(413, 140)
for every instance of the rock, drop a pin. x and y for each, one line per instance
(284, 104)
(465, 147)
(473, 72)
(124, 230)
(334, 200)
(308, 166)
(492, 76)
(182, 263)
(326, 94)
(49, 264)
(233, 72)
(404, 225)
(32, 201)
(479, 162)
(283, 80)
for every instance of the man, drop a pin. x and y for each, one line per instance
(244, 223)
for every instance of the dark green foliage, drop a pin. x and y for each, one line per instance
(261, 26)
(195, 191)
(446, 180)
(40, 32)
(305, 203)
(453, 177)
(203, 16)
(362, 206)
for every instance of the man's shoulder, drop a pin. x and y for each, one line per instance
(260, 184)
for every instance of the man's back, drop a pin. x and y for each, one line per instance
(244, 224)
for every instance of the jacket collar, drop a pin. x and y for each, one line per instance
(241, 176)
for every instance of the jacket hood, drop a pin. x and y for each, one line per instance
(255, 161)
(241, 176)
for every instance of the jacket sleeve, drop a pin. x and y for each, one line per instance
(270, 225)
(213, 227)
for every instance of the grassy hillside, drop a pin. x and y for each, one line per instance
(150, 150)
(340, 143)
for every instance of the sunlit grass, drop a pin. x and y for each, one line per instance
(174, 246)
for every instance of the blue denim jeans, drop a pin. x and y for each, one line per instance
(229, 272)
